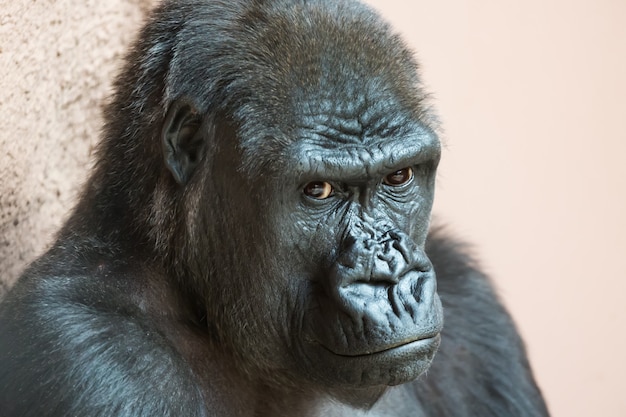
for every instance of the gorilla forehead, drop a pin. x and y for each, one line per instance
(308, 59)
(369, 116)
(280, 68)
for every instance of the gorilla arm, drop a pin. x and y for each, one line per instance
(64, 337)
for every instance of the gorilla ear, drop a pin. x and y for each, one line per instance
(183, 140)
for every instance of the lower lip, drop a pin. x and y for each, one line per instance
(421, 346)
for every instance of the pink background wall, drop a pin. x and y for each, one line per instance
(533, 99)
(532, 95)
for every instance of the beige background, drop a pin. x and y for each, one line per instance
(533, 99)
(57, 61)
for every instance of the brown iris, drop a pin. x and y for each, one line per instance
(318, 190)
(399, 178)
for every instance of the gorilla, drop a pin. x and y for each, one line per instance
(254, 238)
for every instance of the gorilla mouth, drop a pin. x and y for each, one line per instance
(391, 364)
(427, 344)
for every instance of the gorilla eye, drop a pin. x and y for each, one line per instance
(399, 178)
(318, 190)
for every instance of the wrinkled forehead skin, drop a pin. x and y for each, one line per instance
(299, 64)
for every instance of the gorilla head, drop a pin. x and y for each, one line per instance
(297, 186)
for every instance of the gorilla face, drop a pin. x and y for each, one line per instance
(333, 274)
(358, 216)
(319, 183)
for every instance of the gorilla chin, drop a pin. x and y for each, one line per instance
(393, 366)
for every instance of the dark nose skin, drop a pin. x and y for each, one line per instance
(377, 258)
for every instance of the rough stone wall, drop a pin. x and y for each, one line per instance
(57, 61)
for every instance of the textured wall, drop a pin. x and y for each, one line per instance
(57, 60)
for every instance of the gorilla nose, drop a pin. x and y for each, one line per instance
(387, 264)
(377, 261)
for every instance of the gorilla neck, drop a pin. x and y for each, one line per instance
(363, 398)
(258, 397)
(338, 402)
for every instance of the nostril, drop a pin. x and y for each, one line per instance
(389, 268)
(349, 241)
(383, 259)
